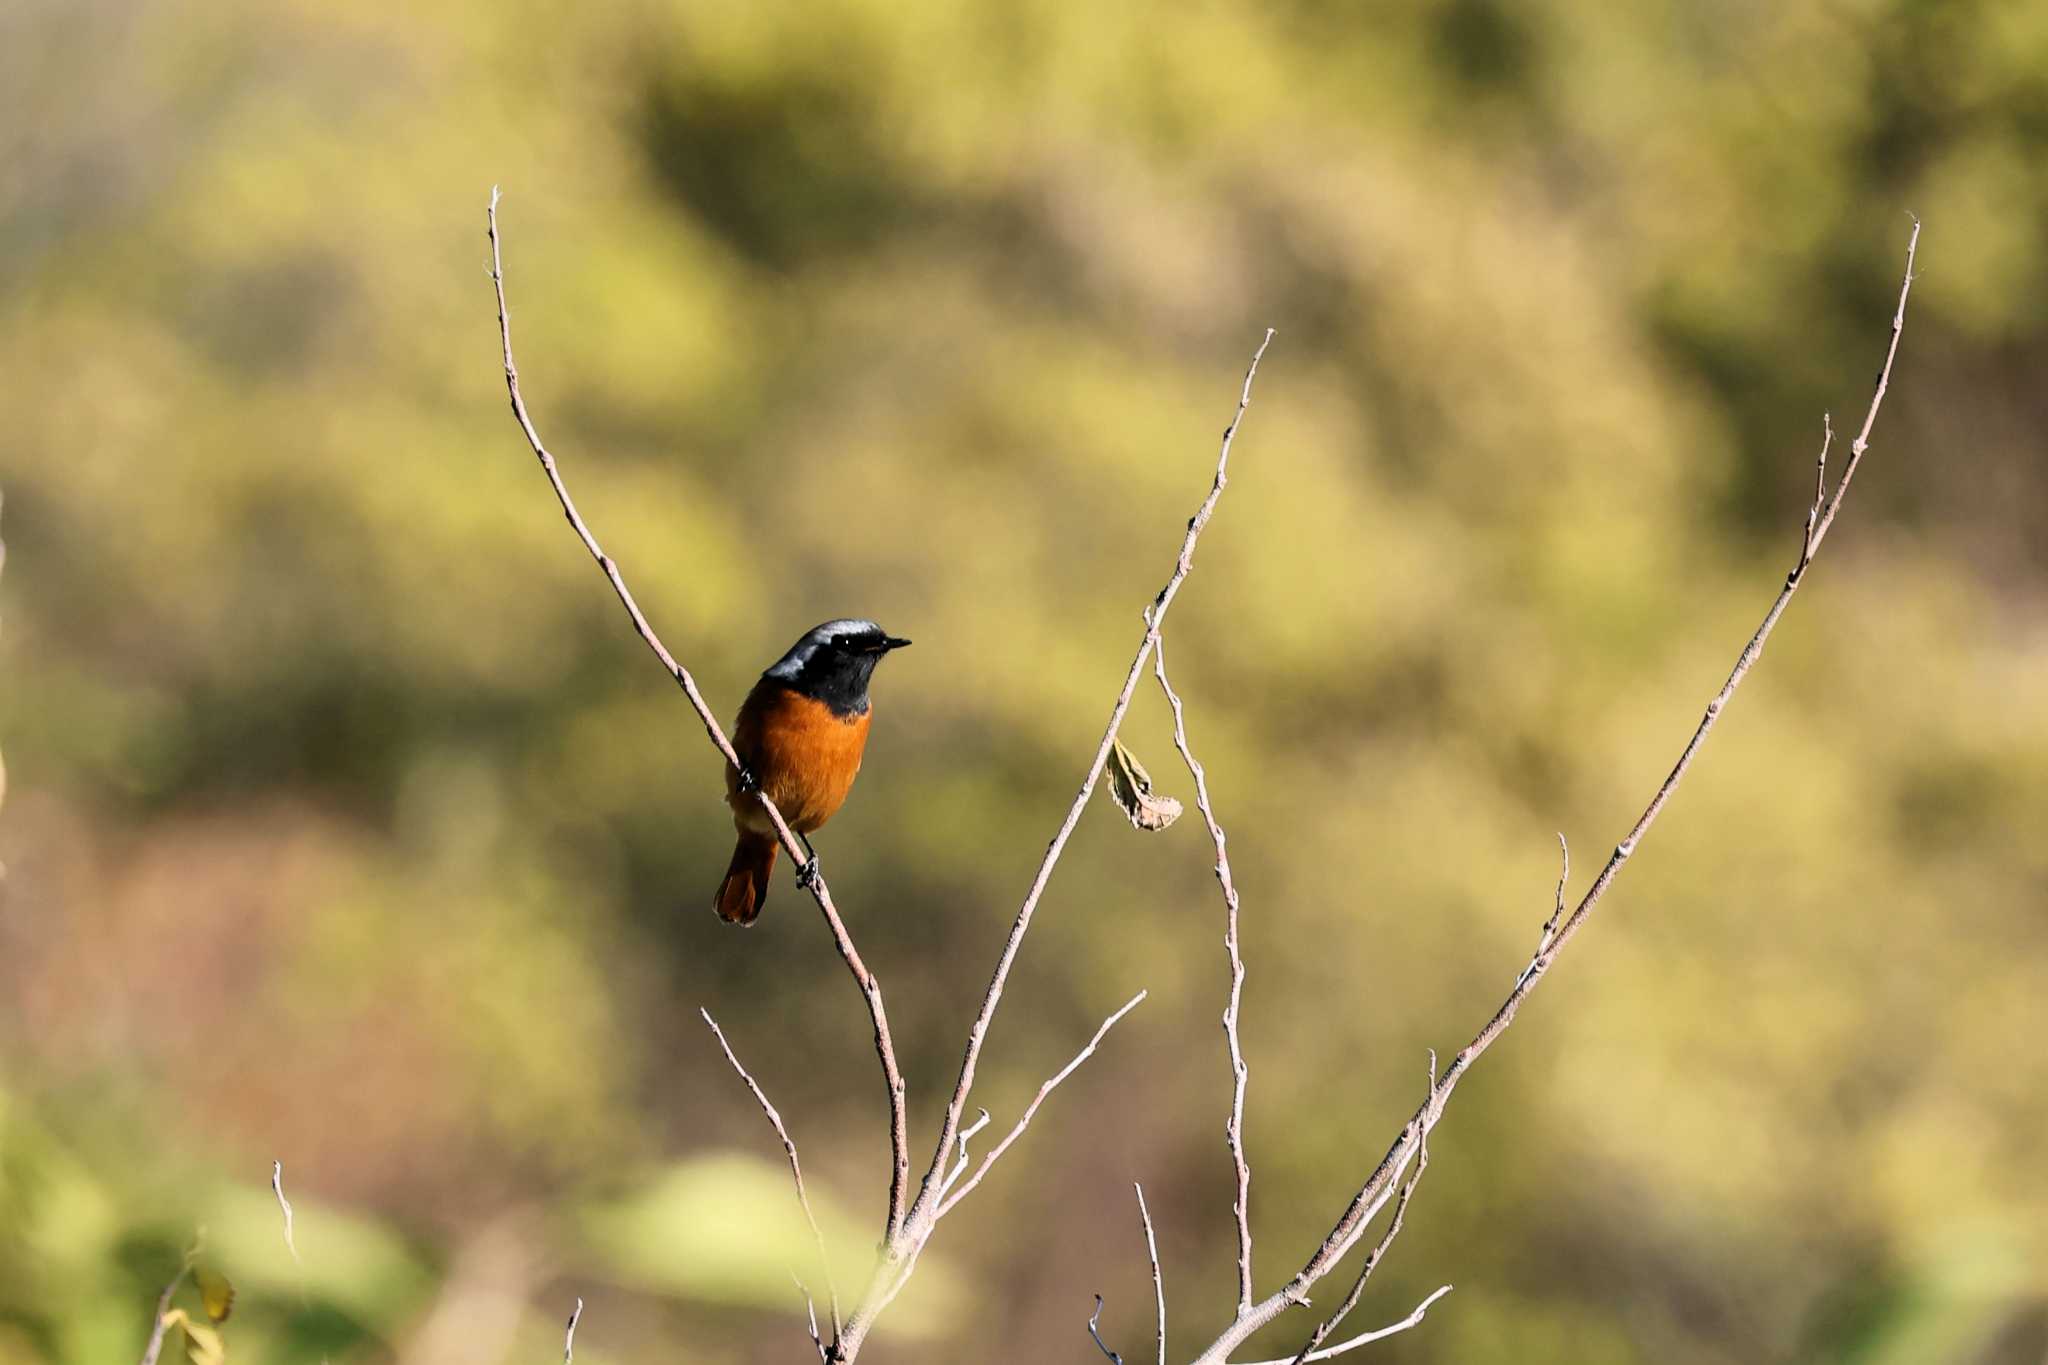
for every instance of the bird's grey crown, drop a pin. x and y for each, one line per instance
(791, 665)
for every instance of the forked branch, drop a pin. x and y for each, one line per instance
(870, 989)
(1155, 615)
(909, 1226)
(1407, 1147)
(1372, 1261)
(950, 1198)
(933, 1197)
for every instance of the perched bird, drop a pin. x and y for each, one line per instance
(799, 736)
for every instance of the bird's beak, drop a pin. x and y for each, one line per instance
(890, 642)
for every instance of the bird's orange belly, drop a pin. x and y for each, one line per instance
(803, 755)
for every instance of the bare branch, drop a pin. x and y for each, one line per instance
(927, 1202)
(1233, 1126)
(155, 1345)
(948, 1200)
(909, 1224)
(569, 1333)
(871, 989)
(1367, 1338)
(796, 1169)
(960, 1166)
(1093, 1319)
(1820, 488)
(1379, 1253)
(277, 1188)
(1380, 1186)
(1564, 875)
(811, 1320)
(1158, 1282)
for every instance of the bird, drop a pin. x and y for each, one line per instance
(799, 737)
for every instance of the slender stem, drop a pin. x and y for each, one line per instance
(1367, 1338)
(811, 1323)
(949, 1200)
(285, 1205)
(1380, 1186)
(900, 1253)
(924, 1205)
(796, 1169)
(1379, 1253)
(154, 1347)
(1094, 1325)
(569, 1333)
(1241, 1074)
(870, 988)
(1158, 1281)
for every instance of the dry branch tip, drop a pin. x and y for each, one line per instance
(569, 1332)
(1093, 1319)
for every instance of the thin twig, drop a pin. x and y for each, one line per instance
(995, 1153)
(569, 1333)
(1564, 875)
(1158, 1282)
(1379, 1253)
(926, 1204)
(901, 1242)
(1380, 1186)
(155, 1345)
(1093, 1319)
(1820, 487)
(1233, 1124)
(811, 1319)
(1367, 1338)
(277, 1188)
(960, 1166)
(796, 1169)
(870, 988)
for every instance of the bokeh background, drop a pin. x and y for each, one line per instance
(348, 825)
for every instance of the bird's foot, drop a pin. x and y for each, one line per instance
(807, 873)
(749, 784)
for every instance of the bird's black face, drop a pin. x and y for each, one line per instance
(834, 661)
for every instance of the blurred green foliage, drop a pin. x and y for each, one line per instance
(349, 825)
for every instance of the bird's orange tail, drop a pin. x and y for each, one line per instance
(745, 888)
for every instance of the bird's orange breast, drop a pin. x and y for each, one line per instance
(803, 755)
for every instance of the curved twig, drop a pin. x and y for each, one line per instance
(1382, 1184)
(796, 1169)
(870, 989)
(1240, 1072)
(1154, 616)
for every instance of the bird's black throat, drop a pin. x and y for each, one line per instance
(839, 680)
(833, 663)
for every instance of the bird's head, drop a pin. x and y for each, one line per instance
(834, 661)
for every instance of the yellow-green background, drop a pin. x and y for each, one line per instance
(348, 824)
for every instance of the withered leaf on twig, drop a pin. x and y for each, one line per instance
(216, 1292)
(1130, 786)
